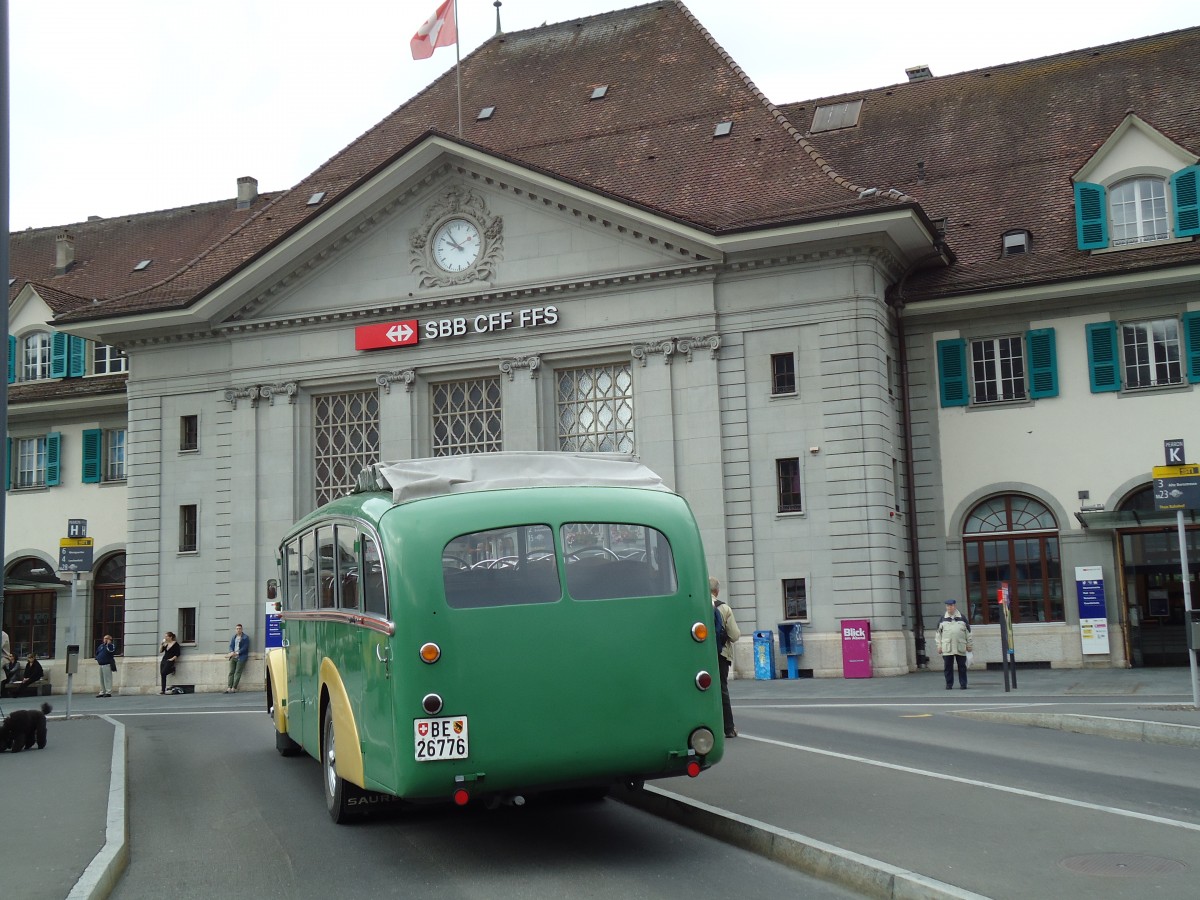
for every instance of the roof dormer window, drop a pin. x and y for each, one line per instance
(1138, 210)
(1015, 242)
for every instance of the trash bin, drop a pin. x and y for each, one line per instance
(791, 645)
(764, 655)
(1193, 629)
(856, 648)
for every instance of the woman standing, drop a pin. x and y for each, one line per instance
(170, 652)
(106, 658)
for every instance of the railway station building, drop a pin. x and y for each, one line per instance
(901, 345)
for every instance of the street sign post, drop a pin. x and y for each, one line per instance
(75, 554)
(1177, 487)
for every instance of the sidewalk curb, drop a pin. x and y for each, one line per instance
(100, 877)
(852, 870)
(1121, 729)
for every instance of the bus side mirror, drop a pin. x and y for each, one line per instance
(272, 588)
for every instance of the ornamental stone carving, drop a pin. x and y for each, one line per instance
(386, 379)
(458, 203)
(666, 348)
(269, 391)
(233, 395)
(688, 345)
(532, 363)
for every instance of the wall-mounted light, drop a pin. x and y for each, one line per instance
(814, 449)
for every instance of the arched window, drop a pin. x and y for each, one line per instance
(1013, 539)
(108, 601)
(35, 356)
(1137, 211)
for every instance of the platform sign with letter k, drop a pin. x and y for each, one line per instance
(1173, 449)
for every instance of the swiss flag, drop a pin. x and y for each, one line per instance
(439, 30)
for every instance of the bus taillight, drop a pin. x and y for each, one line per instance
(699, 632)
(432, 704)
(461, 797)
(693, 769)
(430, 652)
(703, 680)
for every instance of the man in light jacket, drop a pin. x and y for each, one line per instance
(954, 643)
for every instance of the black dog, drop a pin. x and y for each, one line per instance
(21, 728)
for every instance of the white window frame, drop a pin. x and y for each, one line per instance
(1138, 211)
(35, 356)
(29, 460)
(114, 454)
(108, 360)
(1155, 346)
(994, 366)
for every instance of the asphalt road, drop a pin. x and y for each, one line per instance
(214, 809)
(998, 809)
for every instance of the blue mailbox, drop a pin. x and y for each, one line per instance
(764, 655)
(791, 645)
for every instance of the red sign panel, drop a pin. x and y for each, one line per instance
(387, 334)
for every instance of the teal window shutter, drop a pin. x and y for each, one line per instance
(53, 455)
(952, 372)
(8, 463)
(1091, 216)
(1102, 357)
(12, 359)
(76, 357)
(93, 445)
(1185, 191)
(1043, 363)
(1191, 339)
(58, 354)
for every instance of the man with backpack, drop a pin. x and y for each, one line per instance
(727, 633)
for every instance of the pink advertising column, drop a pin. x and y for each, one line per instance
(856, 648)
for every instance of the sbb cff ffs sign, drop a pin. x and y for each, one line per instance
(387, 334)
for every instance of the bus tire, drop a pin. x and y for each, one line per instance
(338, 793)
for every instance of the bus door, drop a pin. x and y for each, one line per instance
(375, 720)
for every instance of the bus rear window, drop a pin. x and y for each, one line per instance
(501, 567)
(609, 560)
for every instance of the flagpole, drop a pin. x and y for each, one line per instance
(457, 60)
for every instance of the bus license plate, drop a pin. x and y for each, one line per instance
(440, 738)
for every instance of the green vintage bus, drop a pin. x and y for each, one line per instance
(486, 627)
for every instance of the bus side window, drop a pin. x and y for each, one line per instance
(374, 598)
(291, 568)
(326, 574)
(347, 566)
(308, 572)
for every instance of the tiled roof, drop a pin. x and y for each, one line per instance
(999, 146)
(648, 142)
(107, 250)
(33, 391)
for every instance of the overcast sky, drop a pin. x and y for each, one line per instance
(128, 106)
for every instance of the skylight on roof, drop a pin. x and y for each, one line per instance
(836, 115)
(485, 113)
(143, 265)
(11, 282)
(599, 92)
(722, 129)
(316, 198)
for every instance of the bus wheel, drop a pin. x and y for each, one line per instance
(337, 792)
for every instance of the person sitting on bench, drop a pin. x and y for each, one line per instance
(32, 675)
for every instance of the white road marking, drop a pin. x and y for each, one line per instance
(942, 776)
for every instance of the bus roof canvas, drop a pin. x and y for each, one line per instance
(415, 479)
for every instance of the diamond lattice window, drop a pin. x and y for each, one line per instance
(466, 416)
(346, 439)
(595, 410)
